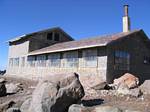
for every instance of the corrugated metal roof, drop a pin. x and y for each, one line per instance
(84, 43)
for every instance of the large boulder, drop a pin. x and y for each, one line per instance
(79, 108)
(145, 87)
(12, 88)
(2, 89)
(101, 86)
(132, 111)
(123, 89)
(13, 110)
(107, 109)
(25, 105)
(56, 94)
(128, 79)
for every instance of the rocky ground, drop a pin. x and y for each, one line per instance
(92, 98)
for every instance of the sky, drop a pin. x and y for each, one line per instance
(79, 18)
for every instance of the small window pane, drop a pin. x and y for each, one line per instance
(41, 60)
(122, 60)
(57, 37)
(50, 36)
(90, 58)
(71, 59)
(22, 61)
(54, 60)
(31, 61)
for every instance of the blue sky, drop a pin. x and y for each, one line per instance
(79, 18)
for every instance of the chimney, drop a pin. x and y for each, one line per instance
(126, 19)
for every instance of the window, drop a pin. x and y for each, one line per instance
(122, 60)
(41, 60)
(31, 61)
(16, 62)
(57, 37)
(90, 58)
(54, 60)
(11, 62)
(147, 60)
(71, 59)
(22, 61)
(50, 36)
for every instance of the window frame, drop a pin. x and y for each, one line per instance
(54, 60)
(90, 56)
(56, 36)
(71, 59)
(50, 36)
(122, 60)
(41, 60)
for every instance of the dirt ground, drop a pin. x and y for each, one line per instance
(123, 102)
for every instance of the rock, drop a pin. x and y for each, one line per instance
(107, 92)
(124, 90)
(2, 72)
(101, 86)
(107, 109)
(5, 106)
(78, 108)
(56, 95)
(136, 92)
(130, 80)
(25, 106)
(132, 111)
(145, 87)
(13, 110)
(12, 88)
(2, 89)
(2, 80)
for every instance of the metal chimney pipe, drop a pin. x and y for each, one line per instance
(126, 10)
(126, 19)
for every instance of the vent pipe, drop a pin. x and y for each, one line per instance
(126, 19)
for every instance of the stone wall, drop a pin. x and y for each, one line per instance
(88, 75)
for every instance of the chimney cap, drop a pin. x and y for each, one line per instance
(126, 5)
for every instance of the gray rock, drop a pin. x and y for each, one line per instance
(107, 109)
(76, 108)
(2, 80)
(145, 87)
(12, 88)
(2, 89)
(136, 92)
(5, 106)
(132, 111)
(101, 86)
(124, 90)
(79, 108)
(25, 106)
(13, 110)
(58, 95)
